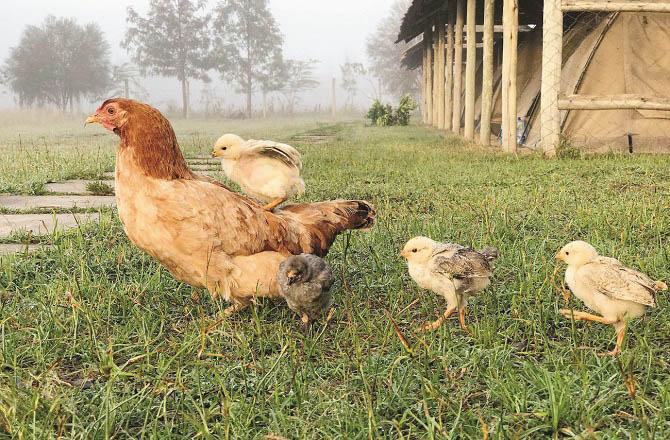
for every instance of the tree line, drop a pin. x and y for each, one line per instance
(61, 62)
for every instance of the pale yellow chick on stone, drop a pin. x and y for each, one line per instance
(265, 170)
(607, 287)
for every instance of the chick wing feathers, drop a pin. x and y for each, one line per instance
(288, 155)
(456, 261)
(611, 278)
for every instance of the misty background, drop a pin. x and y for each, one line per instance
(331, 34)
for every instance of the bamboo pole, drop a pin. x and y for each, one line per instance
(449, 87)
(552, 59)
(458, 69)
(440, 73)
(487, 77)
(509, 85)
(428, 41)
(614, 6)
(615, 102)
(424, 83)
(470, 66)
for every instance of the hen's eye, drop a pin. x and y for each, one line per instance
(110, 110)
(414, 250)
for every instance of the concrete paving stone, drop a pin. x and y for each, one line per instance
(56, 202)
(42, 224)
(73, 186)
(10, 249)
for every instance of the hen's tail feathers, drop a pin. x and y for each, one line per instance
(490, 253)
(660, 286)
(324, 221)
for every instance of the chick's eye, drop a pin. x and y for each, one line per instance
(224, 148)
(414, 250)
(567, 253)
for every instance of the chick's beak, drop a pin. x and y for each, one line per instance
(93, 119)
(403, 254)
(292, 275)
(558, 256)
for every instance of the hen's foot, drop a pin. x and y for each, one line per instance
(229, 311)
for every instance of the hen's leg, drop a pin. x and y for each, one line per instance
(273, 204)
(582, 316)
(233, 309)
(437, 323)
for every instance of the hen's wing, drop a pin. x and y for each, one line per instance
(234, 224)
(275, 150)
(460, 262)
(611, 278)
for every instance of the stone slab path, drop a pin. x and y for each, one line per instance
(41, 224)
(11, 249)
(74, 186)
(56, 202)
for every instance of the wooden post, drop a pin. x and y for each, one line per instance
(458, 68)
(428, 43)
(449, 92)
(470, 66)
(424, 84)
(509, 81)
(487, 79)
(552, 58)
(439, 74)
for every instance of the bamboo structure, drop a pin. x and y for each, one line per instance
(614, 6)
(440, 75)
(449, 86)
(470, 67)
(616, 102)
(487, 74)
(458, 69)
(428, 43)
(552, 58)
(509, 81)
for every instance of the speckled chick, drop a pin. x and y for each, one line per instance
(305, 281)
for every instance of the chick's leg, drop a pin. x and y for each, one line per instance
(461, 319)
(437, 323)
(273, 204)
(305, 319)
(620, 335)
(582, 316)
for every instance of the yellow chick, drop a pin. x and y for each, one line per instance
(265, 170)
(452, 271)
(608, 287)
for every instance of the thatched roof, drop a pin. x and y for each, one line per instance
(422, 12)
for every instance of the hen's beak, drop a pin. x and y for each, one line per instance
(93, 119)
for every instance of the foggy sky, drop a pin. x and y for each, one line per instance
(332, 31)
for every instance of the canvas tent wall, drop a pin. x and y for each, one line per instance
(605, 54)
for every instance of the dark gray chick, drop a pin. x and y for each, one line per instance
(305, 282)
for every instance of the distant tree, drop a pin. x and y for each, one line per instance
(298, 77)
(126, 81)
(384, 55)
(273, 80)
(173, 40)
(351, 72)
(247, 44)
(58, 63)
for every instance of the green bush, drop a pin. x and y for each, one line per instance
(385, 116)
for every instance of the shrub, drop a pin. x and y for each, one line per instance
(385, 116)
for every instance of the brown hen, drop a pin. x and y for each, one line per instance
(203, 233)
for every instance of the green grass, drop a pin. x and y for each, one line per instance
(97, 340)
